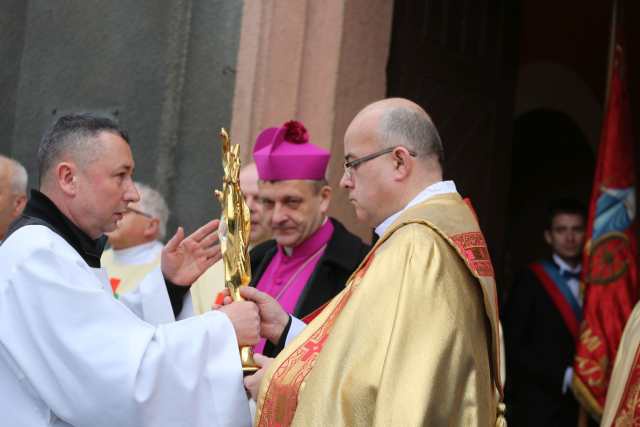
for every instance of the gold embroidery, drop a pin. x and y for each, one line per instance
(281, 398)
(628, 416)
(628, 413)
(473, 248)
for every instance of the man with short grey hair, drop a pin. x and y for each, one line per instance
(73, 355)
(13, 192)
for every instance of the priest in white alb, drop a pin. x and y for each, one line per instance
(73, 355)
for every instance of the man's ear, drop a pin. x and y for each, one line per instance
(325, 196)
(403, 163)
(66, 177)
(152, 229)
(18, 204)
(547, 237)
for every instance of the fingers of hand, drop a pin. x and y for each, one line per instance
(262, 360)
(177, 238)
(253, 320)
(246, 321)
(212, 252)
(210, 240)
(252, 383)
(250, 293)
(209, 228)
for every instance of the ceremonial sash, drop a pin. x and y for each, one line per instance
(556, 286)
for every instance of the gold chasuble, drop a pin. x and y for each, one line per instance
(125, 278)
(411, 341)
(206, 288)
(622, 407)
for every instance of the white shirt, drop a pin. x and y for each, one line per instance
(441, 187)
(140, 254)
(574, 284)
(72, 355)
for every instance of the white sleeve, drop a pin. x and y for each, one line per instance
(93, 362)
(150, 300)
(296, 327)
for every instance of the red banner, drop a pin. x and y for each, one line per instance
(609, 262)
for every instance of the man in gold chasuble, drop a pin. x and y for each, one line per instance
(413, 338)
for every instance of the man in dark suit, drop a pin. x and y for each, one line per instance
(541, 319)
(311, 255)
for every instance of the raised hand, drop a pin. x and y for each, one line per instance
(185, 259)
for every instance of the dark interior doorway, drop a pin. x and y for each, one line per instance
(551, 158)
(458, 59)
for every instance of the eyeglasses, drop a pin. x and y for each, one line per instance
(351, 165)
(136, 211)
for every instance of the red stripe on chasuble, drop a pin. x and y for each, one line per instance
(558, 299)
(628, 413)
(281, 397)
(473, 248)
(309, 317)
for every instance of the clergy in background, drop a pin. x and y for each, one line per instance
(136, 248)
(311, 255)
(413, 338)
(13, 192)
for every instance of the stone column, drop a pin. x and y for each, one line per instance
(318, 62)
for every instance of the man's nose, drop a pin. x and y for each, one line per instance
(131, 194)
(279, 214)
(345, 181)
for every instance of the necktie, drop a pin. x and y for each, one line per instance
(568, 275)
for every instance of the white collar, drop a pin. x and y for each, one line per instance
(440, 187)
(566, 267)
(140, 254)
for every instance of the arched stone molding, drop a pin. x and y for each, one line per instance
(552, 86)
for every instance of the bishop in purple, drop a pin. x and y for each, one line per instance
(311, 255)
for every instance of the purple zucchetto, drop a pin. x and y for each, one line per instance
(285, 153)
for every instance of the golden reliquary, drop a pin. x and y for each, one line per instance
(234, 229)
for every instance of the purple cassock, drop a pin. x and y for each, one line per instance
(286, 276)
(281, 154)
